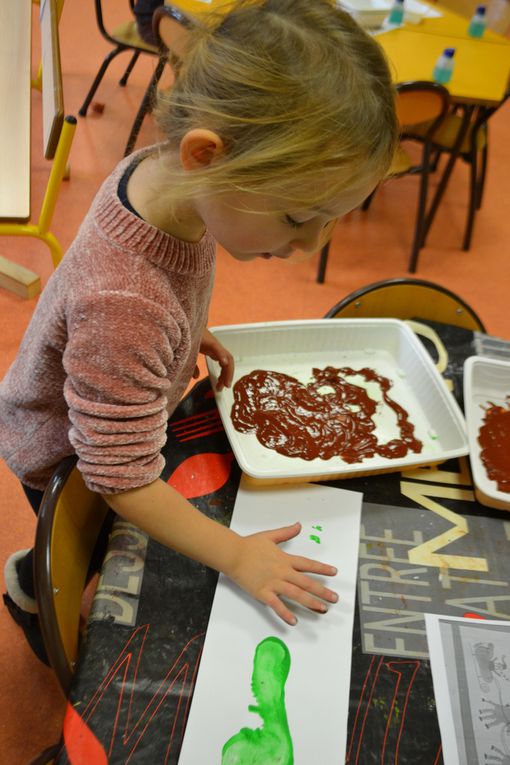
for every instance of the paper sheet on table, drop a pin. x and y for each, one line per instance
(320, 646)
(472, 688)
(371, 13)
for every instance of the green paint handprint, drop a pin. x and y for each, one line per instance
(271, 744)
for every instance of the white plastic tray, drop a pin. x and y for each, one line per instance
(386, 345)
(484, 380)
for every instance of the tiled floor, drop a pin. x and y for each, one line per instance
(366, 247)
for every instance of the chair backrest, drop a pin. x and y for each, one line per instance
(421, 102)
(407, 299)
(68, 525)
(171, 27)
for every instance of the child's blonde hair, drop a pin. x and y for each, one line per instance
(299, 94)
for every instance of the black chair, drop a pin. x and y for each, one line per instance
(418, 103)
(171, 27)
(463, 134)
(407, 299)
(126, 38)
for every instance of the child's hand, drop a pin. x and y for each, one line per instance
(216, 351)
(266, 572)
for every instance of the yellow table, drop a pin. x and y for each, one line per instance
(482, 66)
(452, 24)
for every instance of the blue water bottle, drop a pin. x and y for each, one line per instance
(396, 16)
(444, 67)
(478, 23)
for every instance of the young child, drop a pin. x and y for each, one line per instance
(280, 121)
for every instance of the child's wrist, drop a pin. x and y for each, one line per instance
(232, 555)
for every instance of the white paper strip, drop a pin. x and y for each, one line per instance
(320, 646)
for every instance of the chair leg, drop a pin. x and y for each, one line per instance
(99, 76)
(323, 261)
(483, 173)
(48, 755)
(435, 160)
(473, 198)
(420, 215)
(134, 58)
(468, 111)
(145, 106)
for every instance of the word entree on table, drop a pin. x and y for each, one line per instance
(329, 416)
(494, 440)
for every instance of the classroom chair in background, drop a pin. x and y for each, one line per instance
(407, 299)
(417, 103)
(170, 27)
(126, 38)
(473, 150)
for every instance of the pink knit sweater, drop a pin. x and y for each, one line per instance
(109, 351)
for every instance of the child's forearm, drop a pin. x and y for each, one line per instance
(168, 517)
(255, 562)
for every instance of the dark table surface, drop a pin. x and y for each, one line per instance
(426, 546)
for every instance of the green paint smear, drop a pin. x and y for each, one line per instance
(315, 538)
(271, 744)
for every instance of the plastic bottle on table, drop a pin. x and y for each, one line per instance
(478, 23)
(396, 15)
(444, 66)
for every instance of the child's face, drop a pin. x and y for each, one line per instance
(250, 226)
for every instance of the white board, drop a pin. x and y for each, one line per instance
(320, 646)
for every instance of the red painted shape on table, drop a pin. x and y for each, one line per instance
(129, 724)
(404, 671)
(358, 710)
(397, 667)
(367, 707)
(469, 615)
(201, 474)
(82, 747)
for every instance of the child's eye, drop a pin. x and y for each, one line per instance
(292, 223)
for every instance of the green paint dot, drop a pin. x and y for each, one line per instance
(315, 538)
(271, 744)
(319, 528)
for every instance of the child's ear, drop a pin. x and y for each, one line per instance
(199, 147)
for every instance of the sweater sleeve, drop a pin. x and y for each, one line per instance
(118, 363)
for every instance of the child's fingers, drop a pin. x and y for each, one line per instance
(313, 587)
(228, 369)
(284, 533)
(313, 566)
(227, 372)
(306, 599)
(280, 609)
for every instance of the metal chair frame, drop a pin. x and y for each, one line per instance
(120, 47)
(408, 298)
(423, 169)
(68, 526)
(475, 121)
